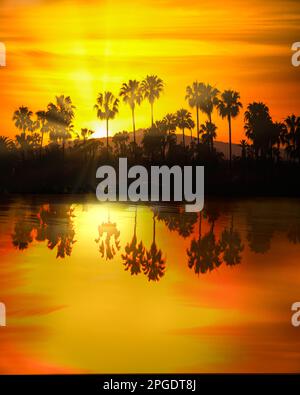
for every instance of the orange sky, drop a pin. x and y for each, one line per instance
(80, 48)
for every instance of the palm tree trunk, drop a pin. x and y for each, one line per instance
(63, 149)
(198, 131)
(41, 148)
(133, 125)
(183, 137)
(107, 133)
(152, 118)
(230, 152)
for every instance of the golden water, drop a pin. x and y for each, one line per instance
(201, 293)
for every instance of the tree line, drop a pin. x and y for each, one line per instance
(264, 138)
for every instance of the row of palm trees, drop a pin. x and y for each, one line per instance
(266, 136)
(203, 97)
(132, 93)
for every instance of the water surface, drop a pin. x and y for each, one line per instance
(93, 287)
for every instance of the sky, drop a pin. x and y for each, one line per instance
(80, 48)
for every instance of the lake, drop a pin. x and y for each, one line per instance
(109, 288)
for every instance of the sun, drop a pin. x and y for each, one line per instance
(100, 132)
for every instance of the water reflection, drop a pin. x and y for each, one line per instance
(134, 254)
(109, 239)
(218, 284)
(213, 237)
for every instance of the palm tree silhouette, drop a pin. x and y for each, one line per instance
(132, 95)
(134, 257)
(22, 119)
(184, 121)
(120, 141)
(229, 107)
(107, 108)
(209, 133)
(43, 125)
(209, 100)
(60, 116)
(6, 145)
(292, 123)
(152, 87)
(170, 122)
(257, 124)
(154, 265)
(154, 142)
(194, 95)
(244, 145)
(231, 245)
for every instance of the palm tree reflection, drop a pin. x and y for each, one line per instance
(203, 254)
(56, 227)
(231, 245)
(134, 256)
(154, 265)
(22, 236)
(178, 220)
(108, 239)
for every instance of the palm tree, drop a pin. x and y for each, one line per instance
(152, 87)
(154, 142)
(209, 133)
(6, 145)
(22, 117)
(107, 108)
(83, 140)
(132, 95)
(170, 122)
(244, 145)
(292, 123)
(42, 125)
(84, 134)
(60, 116)
(194, 95)
(257, 123)
(184, 121)
(209, 100)
(120, 141)
(154, 265)
(229, 107)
